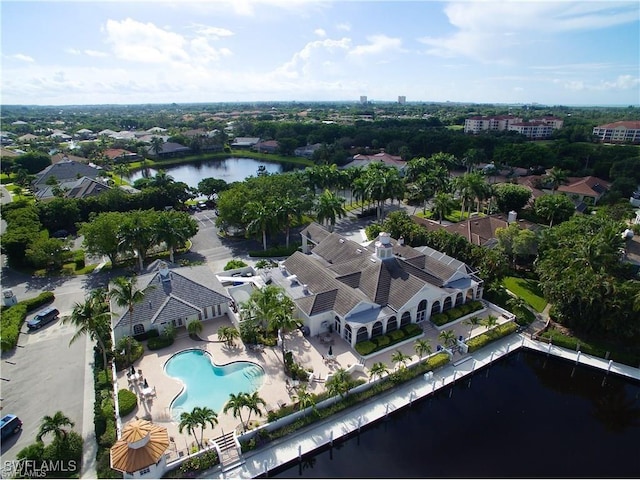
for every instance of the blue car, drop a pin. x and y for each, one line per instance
(42, 318)
(9, 425)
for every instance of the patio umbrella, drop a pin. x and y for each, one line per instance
(330, 350)
(146, 385)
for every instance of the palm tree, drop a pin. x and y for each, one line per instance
(190, 421)
(156, 145)
(54, 425)
(194, 328)
(126, 294)
(260, 218)
(329, 207)
(490, 322)
(228, 335)
(282, 320)
(472, 322)
(378, 369)
(339, 383)
(422, 348)
(236, 403)
(138, 233)
(122, 170)
(253, 402)
(400, 359)
(304, 398)
(204, 416)
(174, 229)
(90, 318)
(286, 211)
(556, 177)
(442, 205)
(448, 337)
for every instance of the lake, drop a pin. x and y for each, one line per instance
(229, 170)
(528, 415)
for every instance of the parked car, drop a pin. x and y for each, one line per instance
(9, 425)
(202, 205)
(42, 318)
(60, 234)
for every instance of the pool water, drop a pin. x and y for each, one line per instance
(207, 384)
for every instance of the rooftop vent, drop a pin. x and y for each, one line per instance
(341, 240)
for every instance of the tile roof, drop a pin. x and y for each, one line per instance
(65, 170)
(141, 445)
(628, 124)
(585, 186)
(187, 291)
(340, 274)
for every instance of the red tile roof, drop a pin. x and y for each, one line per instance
(585, 186)
(629, 125)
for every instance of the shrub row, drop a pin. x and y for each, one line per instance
(495, 333)
(14, 316)
(455, 313)
(156, 343)
(368, 347)
(152, 333)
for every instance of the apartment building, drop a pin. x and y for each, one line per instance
(619, 132)
(535, 128)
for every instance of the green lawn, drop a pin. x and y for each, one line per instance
(528, 290)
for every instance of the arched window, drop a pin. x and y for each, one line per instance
(337, 325)
(138, 329)
(347, 333)
(469, 294)
(422, 311)
(377, 330)
(459, 299)
(362, 335)
(447, 304)
(435, 308)
(406, 319)
(392, 324)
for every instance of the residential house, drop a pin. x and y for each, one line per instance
(85, 134)
(479, 231)
(245, 142)
(361, 160)
(80, 188)
(361, 292)
(172, 297)
(587, 190)
(119, 155)
(169, 150)
(268, 146)
(619, 132)
(65, 157)
(307, 151)
(64, 171)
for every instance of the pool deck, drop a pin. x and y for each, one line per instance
(307, 351)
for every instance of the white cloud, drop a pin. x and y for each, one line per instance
(318, 54)
(95, 53)
(623, 82)
(144, 42)
(377, 44)
(490, 31)
(22, 57)
(212, 32)
(206, 53)
(320, 32)
(345, 27)
(72, 51)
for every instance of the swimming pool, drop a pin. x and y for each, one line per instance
(209, 385)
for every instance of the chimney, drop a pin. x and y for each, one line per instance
(401, 241)
(513, 215)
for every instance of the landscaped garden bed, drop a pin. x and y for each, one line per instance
(441, 319)
(385, 341)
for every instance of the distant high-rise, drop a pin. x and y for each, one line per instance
(402, 99)
(363, 99)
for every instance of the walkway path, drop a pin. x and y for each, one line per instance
(315, 436)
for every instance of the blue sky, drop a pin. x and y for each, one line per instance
(92, 52)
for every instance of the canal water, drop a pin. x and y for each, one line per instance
(229, 170)
(528, 415)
